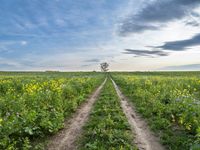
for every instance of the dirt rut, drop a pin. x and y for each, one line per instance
(144, 138)
(66, 138)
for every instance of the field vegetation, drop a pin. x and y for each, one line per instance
(34, 105)
(169, 101)
(107, 128)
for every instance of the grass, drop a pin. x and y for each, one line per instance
(169, 103)
(32, 108)
(107, 128)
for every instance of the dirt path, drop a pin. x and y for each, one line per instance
(144, 138)
(66, 138)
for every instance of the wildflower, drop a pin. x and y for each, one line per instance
(1, 120)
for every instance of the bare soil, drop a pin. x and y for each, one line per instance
(66, 138)
(144, 138)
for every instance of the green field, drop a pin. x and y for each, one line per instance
(108, 127)
(35, 105)
(170, 103)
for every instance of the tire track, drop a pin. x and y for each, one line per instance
(144, 138)
(66, 138)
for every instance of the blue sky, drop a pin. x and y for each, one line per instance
(71, 35)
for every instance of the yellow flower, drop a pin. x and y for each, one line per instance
(1, 120)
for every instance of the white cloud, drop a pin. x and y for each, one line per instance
(24, 42)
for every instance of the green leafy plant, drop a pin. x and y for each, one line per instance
(107, 127)
(33, 107)
(170, 103)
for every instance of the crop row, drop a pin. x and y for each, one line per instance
(33, 107)
(170, 104)
(107, 127)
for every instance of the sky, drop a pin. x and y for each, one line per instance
(78, 35)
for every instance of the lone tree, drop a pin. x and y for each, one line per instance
(104, 67)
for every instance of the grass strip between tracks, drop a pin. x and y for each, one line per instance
(107, 127)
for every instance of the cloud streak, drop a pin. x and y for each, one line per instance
(146, 53)
(156, 14)
(181, 45)
(182, 67)
(5, 45)
(93, 60)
